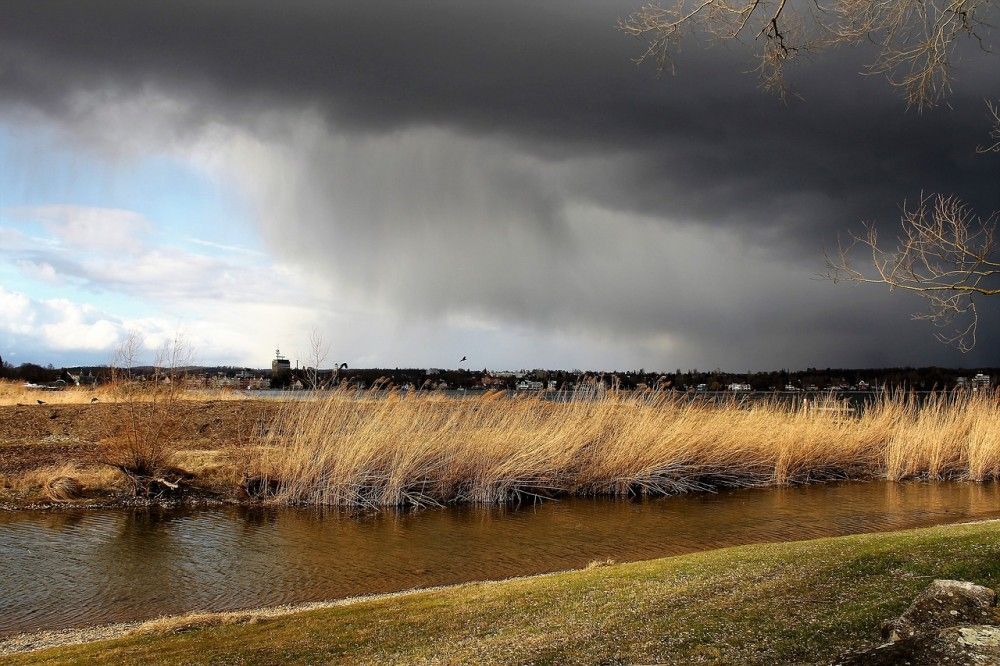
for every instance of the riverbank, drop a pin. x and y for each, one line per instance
(800, 602)
(42, 442)
(388, 449)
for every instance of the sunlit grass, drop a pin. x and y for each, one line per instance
(426, 449)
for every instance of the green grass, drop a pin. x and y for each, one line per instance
(779, 603)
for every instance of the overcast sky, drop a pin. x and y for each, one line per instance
(426, 181)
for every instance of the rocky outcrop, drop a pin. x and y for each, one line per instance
(945, 603)
(951, 622)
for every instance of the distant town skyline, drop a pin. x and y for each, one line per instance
(420, 184)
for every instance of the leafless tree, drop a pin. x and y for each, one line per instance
(945, 254)
(916, 38)
(319, 351)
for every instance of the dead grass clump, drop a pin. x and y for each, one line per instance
(63, 489)
(600, 564)
(424, 449)
(62, 483)
(194, 621)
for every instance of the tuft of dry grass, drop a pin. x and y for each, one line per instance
(60, 483)
(390, 449)
(63, 489)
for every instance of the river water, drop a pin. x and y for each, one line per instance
(71, 569)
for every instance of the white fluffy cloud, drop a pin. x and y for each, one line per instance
(56, 323)
(233, 305)
(73, 326)
(44, 329)
(17, 315)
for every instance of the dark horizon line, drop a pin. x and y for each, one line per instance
(471, 370)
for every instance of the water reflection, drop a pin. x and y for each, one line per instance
(73, 569)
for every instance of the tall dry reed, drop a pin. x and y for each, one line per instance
(383, 449)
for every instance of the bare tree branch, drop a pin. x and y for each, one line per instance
(916, 38)
(994, 147)
(944, 254)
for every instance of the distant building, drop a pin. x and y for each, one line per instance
(529, 385)
(281, 370)
(739, 387)
(981, 381)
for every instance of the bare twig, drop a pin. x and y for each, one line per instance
(945, 254)
(915, 38)
(993, 147)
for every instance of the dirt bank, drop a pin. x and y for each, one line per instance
(37, 439)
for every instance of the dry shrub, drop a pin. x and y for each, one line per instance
(141, 432)
(383, 449)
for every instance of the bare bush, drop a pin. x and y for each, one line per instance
(945, 254)
(148, 411)
(916, 39)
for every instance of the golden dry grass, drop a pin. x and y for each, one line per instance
(423, 449)
(36, 483)
(15, 393)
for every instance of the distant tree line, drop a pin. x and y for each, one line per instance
(921, 379)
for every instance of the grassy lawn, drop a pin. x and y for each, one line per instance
(779, 603)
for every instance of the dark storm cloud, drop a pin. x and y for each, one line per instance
(555, 77)
(555, 115)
